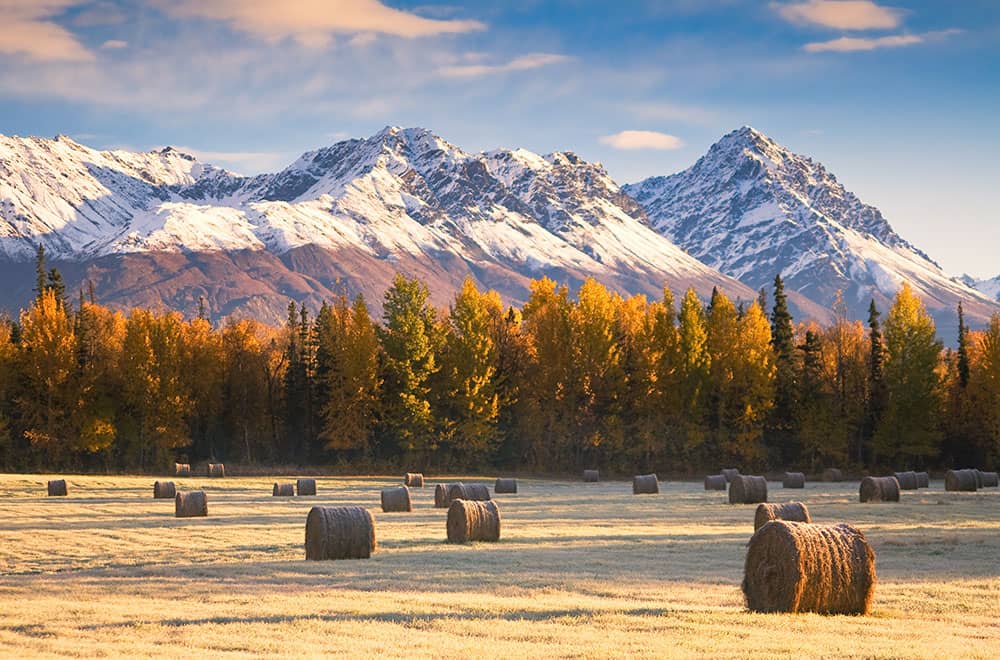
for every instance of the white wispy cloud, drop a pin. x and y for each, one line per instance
(635, 140)
(861, 44)
(840, 14)
(242, 162)
(522, 63)
(666, 112)
(28, 30)
(114, 44)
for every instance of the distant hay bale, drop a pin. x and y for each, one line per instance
(645, 484)
(413, 480)
(460, 491)
(193, 504)
(396, 500)
(164, 490)
(57, 488)
(441, 496)
(923, 480)
(745, 489)
(182, 469)
(960, 480)
(799, 567)
(283, 490)
(305, 487)
(989, 479)
(729, 473)
(792, 511)
(879, 489)
(339, 532)
(794, 480)
(216, 470)
(907, 480)
(505, 486)
(473, 521)
(591, 476)
(715, 482)
(833, 474)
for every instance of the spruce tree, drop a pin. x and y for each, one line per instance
(782, 432)
(877, 394)
(963, 349)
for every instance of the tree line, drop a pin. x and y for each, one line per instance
(596, 380)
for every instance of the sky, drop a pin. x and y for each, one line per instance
(900, 100)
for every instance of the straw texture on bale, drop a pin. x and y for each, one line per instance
(591, 476)
(989, 479)
(441, 496)
(729, 473)
(879, 489)
(283, 490)
(504, 486)
(963, 480)
(473, 521)
(193, 504)
(164, 490)
(396, 500)
(799, 567)
(460, 491)
(715, 482)
(794, 511)
(833, 474)
(339, 532)
(907, 480)
(182, 469)
(57, 488)
(413, 480)
(793, 480)
(923, 480)
(216, 470)
(645, 484)
(305, 487)
(747, 490)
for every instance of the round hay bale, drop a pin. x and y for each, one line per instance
(794, 511)
(960, 480)
(715, 482)
(182, 469)
(923, 480)
(833, 474)
(473, 521)
(729, 473)
(907, 480)
(505, 486)
(413, 480)
(57, 488)
(799, 567)
(879, 489)
(989, 479)
(339, 532)
(216, 470)
(193, 504)
(396, 500)
(591, 476)
(283, 490)
(645, 484)
(794, 480)
(164, 490)
(460, 491)
(305, 487)
(441, 496)
(745, 489)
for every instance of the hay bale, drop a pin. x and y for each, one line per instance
(794, 480)
(193, 504)
(799, 567)
(216, 470)
(923, 480)
(879, 489)
(283, 490)
(794, 511)
(960, 480)
(747, 490)
(715, 482)
(729, 473)
(460, 491)
(57, 488)
(339, 532)
(305, 487)
(833, 474)
(645, 484)
(504, 486)
(413, 480)
(182, 469)
(907, 480)
(396, 500)
(441, 496)
(473, 521)
(164, 490)
(591, 476)
(989, 479)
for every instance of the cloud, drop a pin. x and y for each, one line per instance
(856, 44)
(27, 31)
(114, 44)
(242, 162)
(840, 14)
(665, 111)
(522, 63)
(634, 140)
(313, 23)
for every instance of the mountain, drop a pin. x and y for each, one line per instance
(988, 287)
(751, 208)
(161, 228)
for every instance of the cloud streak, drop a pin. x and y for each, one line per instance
(863, 44)
(636, 140)
(522, 63)
(840, 14)
(28, 31)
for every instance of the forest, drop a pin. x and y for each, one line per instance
(597, 380)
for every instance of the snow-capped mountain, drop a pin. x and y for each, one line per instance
(752, 209)
(162, 227)
(989, 287)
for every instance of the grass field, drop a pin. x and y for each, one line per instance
(582, 570)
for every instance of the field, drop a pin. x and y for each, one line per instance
(582, 570)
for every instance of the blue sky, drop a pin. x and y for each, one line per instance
(899, 99)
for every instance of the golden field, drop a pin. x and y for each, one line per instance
(582, 570)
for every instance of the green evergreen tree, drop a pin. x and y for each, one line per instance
(963, 348)
(782, 434)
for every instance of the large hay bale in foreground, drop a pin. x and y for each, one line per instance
(396, 500)
(833, 474)
(923, 480)
(645, 484)
(879, 489)
(182, 469)
(729, 473)
(57, 488)
(792, 511)
(744, 489)
(960, 480)
(441, 496)
(413, 480)
(907, 480)
(193, 504)
(305, 487)
(473, 521)
(799, 567)
(460, 491)
(989, 479)
(794, 480)
(164, 490)
(505, 486)
(339, 532)
(591, 476)
(283, 490)
(715, 482)
(216, 470)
